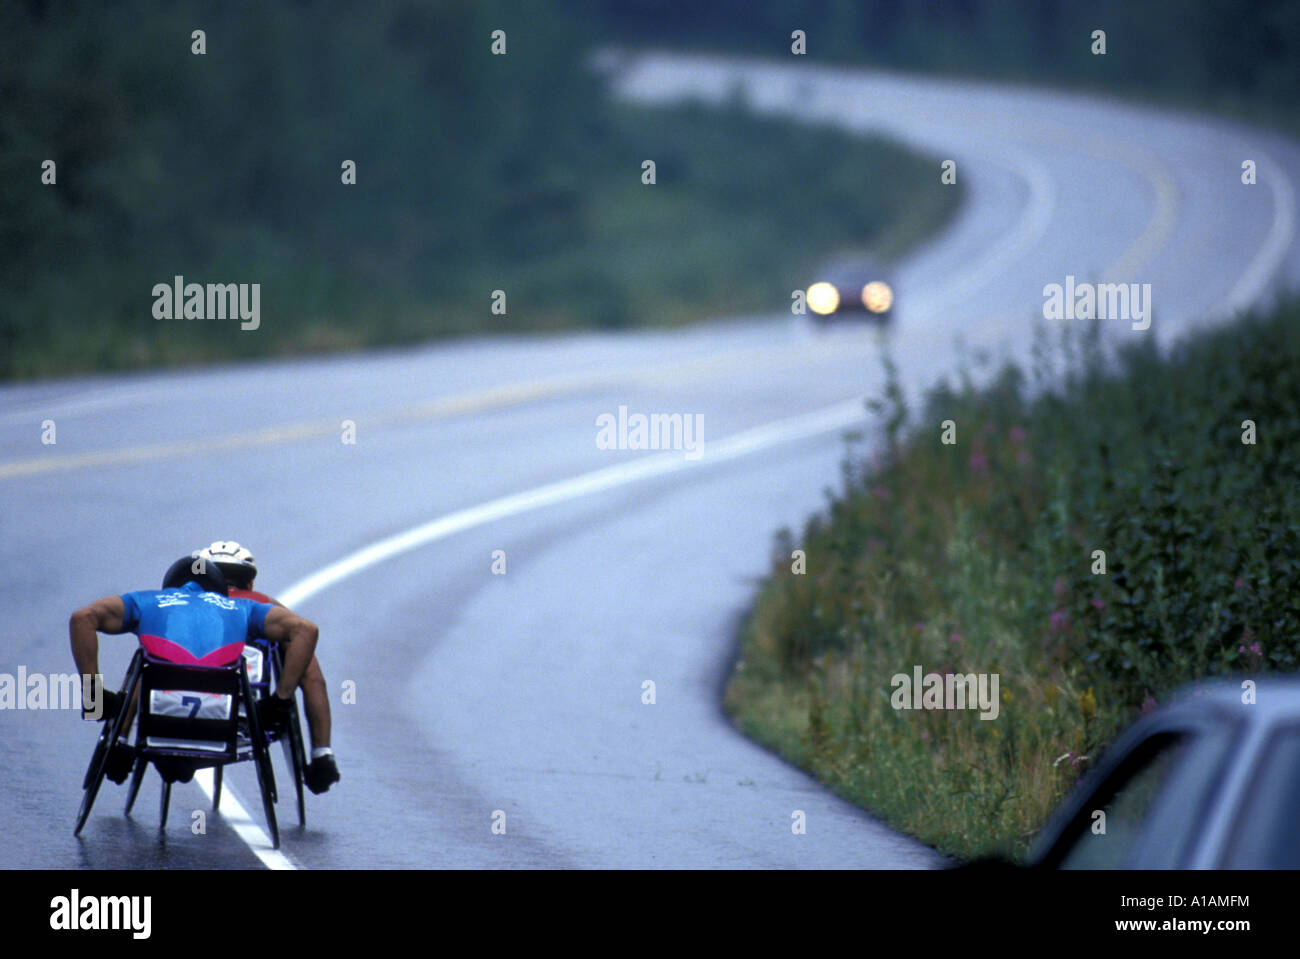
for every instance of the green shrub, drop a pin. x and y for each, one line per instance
(979, 557)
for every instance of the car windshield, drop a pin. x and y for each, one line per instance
(1110, 833)
(1267, 831)
(853, 272)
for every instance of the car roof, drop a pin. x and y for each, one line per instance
(850, 270)
(1276, 699)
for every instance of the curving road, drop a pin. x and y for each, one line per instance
(522, 692)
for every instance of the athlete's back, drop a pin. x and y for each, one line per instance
(190, 626)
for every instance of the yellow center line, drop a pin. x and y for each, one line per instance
(449, 407)
(1145, 245)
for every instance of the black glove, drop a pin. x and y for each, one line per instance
(273, 713)
(121, 760)
(110, 704)
(321, 774)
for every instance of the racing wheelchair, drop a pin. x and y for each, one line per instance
(265, 663)
(199, 717)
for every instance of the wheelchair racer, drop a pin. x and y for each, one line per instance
(192, 621)
(240, 570)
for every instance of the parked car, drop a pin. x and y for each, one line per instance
(1206, 782)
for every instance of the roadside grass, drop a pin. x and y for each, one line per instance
(978, 557)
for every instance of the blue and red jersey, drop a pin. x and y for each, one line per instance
(193, 627)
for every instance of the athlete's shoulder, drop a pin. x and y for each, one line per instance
(255, 596)
(133, 602)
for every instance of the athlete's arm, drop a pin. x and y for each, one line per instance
(299, 638)
(315, 697)
(102, 616)
(316, 701)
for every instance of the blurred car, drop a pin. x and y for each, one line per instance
(1207, 782)
(849, 286)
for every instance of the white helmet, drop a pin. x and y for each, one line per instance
(229, 554)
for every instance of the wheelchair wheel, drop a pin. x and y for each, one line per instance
(270, 770)
(295, 759)
(94, 777)
(295, 752)
(265, 782)
(101, 748)
(218, 775)
(137, 777)
(164, 802)
(262, 761)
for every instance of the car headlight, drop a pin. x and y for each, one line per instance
(823, 298)
(877, 296)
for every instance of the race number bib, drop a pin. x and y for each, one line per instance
(187, 704)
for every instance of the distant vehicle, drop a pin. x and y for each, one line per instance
(851, 285)
(1205, 783)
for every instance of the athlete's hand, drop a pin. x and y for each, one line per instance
(110, 704)
(322, 773)
(273, 712)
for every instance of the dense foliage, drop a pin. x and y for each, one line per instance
(1240, 52)
(981, 556)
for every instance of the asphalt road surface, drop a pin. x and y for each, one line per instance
(522, 693)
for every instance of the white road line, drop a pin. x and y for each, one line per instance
(753, 440)
(1029, 230)
(1261, 269)
(233, 812)
(767, 436)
